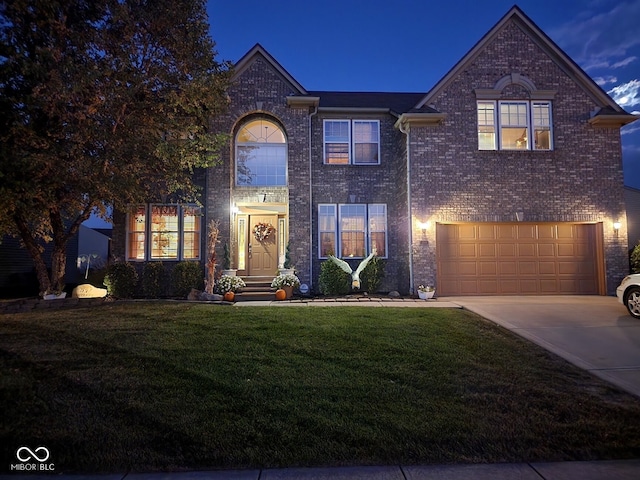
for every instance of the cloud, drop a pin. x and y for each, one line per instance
(629, 129)
(603, 39)
(604, 80)
(625, 62)
(627, 94)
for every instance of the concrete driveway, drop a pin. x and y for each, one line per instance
(593, 332)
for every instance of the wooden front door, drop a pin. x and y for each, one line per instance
(263, 254)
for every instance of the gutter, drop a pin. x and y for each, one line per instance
(315, 111)
(404, 128)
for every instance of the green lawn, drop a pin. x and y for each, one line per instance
(153, 386)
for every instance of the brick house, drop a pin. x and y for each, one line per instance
(504, 178)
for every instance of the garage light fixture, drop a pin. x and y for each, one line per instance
(616, 228)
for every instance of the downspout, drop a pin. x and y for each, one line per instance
(408, 151)
(311, 202)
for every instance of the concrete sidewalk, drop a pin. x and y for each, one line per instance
(601, 470)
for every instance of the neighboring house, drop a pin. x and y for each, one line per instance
(632, 198)
(504, 178)
(17, 273)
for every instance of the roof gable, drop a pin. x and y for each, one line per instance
(518, 17)
(259, 51)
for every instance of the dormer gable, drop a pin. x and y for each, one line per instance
(616, 115)
(259, 52)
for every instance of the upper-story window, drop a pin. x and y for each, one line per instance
(261, 154)
(514, 125)
(508, 122)
(352, 142)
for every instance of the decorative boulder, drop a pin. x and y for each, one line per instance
(86, 290)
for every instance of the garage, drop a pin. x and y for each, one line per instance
(519, 258)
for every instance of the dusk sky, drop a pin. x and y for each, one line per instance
(408, 45)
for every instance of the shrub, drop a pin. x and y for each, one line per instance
(185, 276)
(96, 277)
(635, 259)
(372, 275)
(333, 280)
(121, 280)
(153, 279)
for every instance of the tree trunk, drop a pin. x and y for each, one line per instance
(36, 254)
(58, 264)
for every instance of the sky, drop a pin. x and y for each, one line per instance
(408, 45)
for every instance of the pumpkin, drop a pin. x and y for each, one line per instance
(281, 294)
(229, 296)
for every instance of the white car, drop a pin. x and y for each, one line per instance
(628, 293)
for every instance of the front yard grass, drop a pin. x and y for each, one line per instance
(173, 386)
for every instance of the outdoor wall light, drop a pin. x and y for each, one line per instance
(424, 226)
(235, 210)
(616, 228)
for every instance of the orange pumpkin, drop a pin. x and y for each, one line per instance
(281, 294)
(229, 296)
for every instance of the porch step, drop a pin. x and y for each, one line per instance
(258, 288)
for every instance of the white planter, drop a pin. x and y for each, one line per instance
(287, 271)
(426, 295)
(231, 272)
(53, 296)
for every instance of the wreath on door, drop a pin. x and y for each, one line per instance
(262, 231)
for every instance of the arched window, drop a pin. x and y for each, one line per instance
(261, 154)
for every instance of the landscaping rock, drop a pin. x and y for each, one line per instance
(210, 297)
(394, 294)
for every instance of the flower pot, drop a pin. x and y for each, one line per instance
(286, 271)
(229, 296)
(425, 295)
(288, 291)
(231, 272)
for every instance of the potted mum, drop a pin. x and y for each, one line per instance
(426, 292)
(286, 282)
(228, 286)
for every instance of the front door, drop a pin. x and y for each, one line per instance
(263, 253)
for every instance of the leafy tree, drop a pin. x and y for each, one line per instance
(102, 103)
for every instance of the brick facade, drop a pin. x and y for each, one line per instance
(450, 179)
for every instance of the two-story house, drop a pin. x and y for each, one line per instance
(503, 178)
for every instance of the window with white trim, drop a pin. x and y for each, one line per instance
(164, 232)
(327, 230)
(508, 125)
(354, 142)
(352, 230)
(261, 154)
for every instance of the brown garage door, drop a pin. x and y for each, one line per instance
(518, 258)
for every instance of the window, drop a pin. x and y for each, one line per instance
(510, 127)
(261, 155)
(352, 142)
(353, 220)
(352, 230)
(137, 230)
(327, 230)
(164, 232)
(378, 229)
